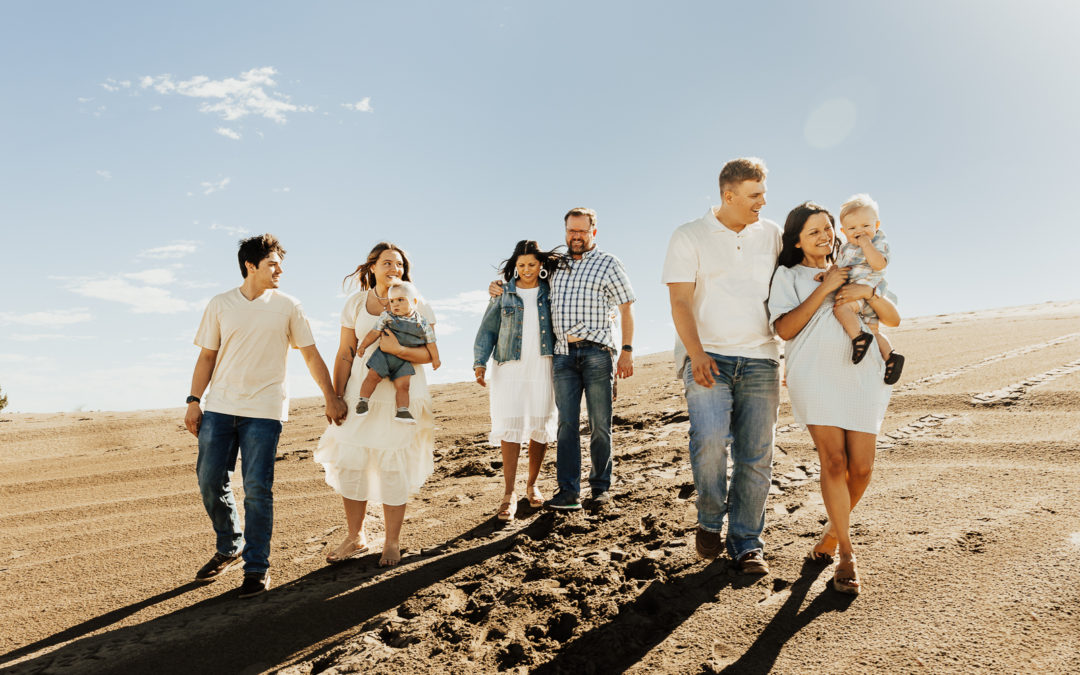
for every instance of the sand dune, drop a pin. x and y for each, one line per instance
(968, 541)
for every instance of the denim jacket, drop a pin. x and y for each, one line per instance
(500, 329)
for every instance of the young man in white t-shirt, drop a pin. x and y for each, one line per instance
(245, 337)
(718, 270)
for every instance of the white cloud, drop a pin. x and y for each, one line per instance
(230, 230)
(115, 85)
(107, 175)
(228, 133)
(175, 250)
(363, 105)
(154, 277)
(283, 189)
(54, 318)
(467, 302)
(83, 99)
(142, 299)
(252, 93)
(210, 187)
(35, 337)
(155, 108)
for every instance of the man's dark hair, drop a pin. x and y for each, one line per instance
(255, 249)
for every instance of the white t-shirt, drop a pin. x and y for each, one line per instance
(732, 272)
(252, 339)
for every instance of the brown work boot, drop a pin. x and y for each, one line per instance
(709, 544)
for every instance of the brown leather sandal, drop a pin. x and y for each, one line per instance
(508, 508)
(846, 578)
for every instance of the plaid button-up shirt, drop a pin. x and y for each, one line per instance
(584, 298)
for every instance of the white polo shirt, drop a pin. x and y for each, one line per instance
(732, 272)
(252, 340)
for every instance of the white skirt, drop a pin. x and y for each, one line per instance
(375, 458)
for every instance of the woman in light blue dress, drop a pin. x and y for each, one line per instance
(841, 404)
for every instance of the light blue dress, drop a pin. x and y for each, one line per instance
(825, 387)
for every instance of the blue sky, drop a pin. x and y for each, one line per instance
(140, 142)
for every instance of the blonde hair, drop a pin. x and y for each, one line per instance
(856, 202)
(404, 287)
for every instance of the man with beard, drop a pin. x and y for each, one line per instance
(584, 297)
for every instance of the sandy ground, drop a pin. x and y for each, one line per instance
(968, 541)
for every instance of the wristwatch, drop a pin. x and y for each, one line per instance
(627, 348)
(192, 399)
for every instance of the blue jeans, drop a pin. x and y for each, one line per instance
(741, 407)
(220, 437)
(587, 368)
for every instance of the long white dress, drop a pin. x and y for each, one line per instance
(522, 393)
(375, 458)
(825, 387)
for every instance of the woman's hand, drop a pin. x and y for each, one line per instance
(834, 278)
(480, 370)
(389, 344)
(853, 292)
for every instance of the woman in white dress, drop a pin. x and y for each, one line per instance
(516, 331)
(841, 404)
(373, 458)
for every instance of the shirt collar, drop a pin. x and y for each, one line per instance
(716, 226)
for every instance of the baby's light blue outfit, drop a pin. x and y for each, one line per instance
(851, 255)
(825, 387)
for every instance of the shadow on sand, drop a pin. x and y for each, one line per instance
(222, 634)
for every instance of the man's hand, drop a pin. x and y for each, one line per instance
(625, 365)
(479, 371)
(495, 288)
(336, 410)
(704, 368)
(435, 363)
(193, 418)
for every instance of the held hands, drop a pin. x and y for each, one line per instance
(624, 367)
(336, 410)
(193, 418)
(479, 371)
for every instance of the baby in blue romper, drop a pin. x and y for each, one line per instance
(411, 330)
(867, 254)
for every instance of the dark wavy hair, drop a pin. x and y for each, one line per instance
(256, 249)
(365, 278)
(790, 254)
(549, 260)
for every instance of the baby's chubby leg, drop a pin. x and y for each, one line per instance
(401, 391)
(367, 387)
(883, 342)
(847, 315)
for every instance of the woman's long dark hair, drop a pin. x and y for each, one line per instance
(549, 260)
(790, 254)
(365, 278)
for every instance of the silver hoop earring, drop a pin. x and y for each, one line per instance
(543, 274)
(515, 274)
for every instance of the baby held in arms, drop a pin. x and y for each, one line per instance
(411, 330)
(867, 254)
